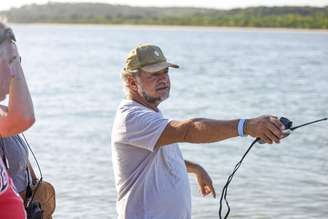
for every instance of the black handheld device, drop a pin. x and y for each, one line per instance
(287, 131)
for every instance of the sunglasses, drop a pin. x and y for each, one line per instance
(5, 34)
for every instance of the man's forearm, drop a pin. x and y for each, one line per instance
(267, 128)
(208, 130)
(198, 130)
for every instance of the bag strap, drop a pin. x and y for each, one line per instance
(29, 193)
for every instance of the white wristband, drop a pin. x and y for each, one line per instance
(241, 126)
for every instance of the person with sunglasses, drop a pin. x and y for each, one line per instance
(14, 118)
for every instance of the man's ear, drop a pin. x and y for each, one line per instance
(132, 83)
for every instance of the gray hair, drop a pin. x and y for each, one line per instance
(124, 77)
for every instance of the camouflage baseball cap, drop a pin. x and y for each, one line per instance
(149, 58)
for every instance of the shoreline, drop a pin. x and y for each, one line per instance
(178, 27)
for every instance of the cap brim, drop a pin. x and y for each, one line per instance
(158, 67)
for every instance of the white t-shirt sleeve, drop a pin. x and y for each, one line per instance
(143, 128)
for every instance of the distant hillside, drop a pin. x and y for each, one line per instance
(98, 13)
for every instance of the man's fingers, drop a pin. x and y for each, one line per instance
(202, 190)
(278, 124)
(275, 129)
(274, 136)
(207, 189)
(212, 190)
(266, 139)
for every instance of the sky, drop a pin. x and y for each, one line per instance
(220, 4)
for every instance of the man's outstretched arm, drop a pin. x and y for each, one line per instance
(200, 130)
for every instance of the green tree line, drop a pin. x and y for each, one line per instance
(98, 13)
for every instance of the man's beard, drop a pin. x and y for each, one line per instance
(154, 100)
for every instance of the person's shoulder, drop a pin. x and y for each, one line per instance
(131, 115)
(132, 111)
(130, 107)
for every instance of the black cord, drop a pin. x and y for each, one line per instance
(37, 163)
(225, 188)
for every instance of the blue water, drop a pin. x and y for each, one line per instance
(73, 73)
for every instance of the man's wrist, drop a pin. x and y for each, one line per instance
(192, 167)
(241, 127)
(246, 127)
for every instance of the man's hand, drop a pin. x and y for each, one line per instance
(267, 128)
(205, 185)
(204, 181)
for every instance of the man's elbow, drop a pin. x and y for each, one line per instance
(192, 131)
(188, 130)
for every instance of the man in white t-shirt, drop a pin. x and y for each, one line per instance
(150, 173)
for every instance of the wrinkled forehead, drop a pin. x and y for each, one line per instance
(153, 76)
